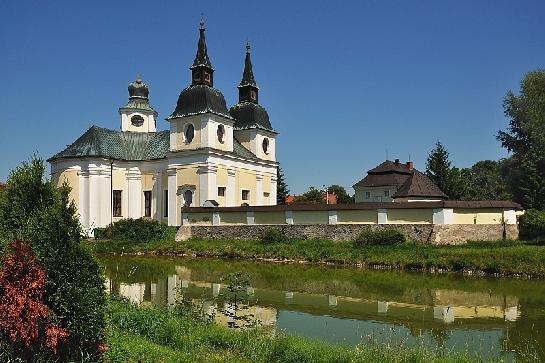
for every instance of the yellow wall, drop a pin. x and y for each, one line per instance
(245, 179)
(72, 177)
(233, 218)
(410, 216)
(356, 216)
(269, 218)
(310, 217)
(483, 216)
(200, 219)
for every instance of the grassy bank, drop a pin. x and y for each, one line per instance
(502, 258)
(138, 334)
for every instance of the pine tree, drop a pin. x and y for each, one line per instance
(440, 171)
(282, 190)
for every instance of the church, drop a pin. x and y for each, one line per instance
(211, 155)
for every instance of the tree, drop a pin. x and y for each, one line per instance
(485, 180)
(313, 195)
(525, 138)
(439, 170)
(282, 190)
(340, 192)
(34, 210)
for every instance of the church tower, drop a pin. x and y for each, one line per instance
(252, 126)
(137, 115)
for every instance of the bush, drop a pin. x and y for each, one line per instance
(37, 211)
(532, 224)
(138, 230)
(273, 235)
(99, 233)
(380, 237)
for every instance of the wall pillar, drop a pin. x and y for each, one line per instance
(289, 217)
(84, 200)
(208, 189)
(509, 216)
(272, 195)
(382, 216)
(259, 189)
(443, 216)
(158, 198)
(134, 193)
(332, 217)
(231, 192)
(172, 197)
(216, 218)
(250, 219)
(94, 201)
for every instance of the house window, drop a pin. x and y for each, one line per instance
(386, 193)
(189, 133)
(221, 191)
(116, 203)
(245, 194)
(165, 203)
(147, 203)
(367, 195)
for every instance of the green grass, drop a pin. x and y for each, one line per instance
(138, 334)
(506, 258)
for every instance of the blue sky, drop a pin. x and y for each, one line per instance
(342, 81)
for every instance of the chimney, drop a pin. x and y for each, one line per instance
(396, 162)
(410, 165)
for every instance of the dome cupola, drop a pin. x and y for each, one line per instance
(138, 89)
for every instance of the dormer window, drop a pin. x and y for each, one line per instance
(252, 95)
(221, 133)
(265, 145)
(189, 133)
(207, 76)
(137, 120)
(196, 77)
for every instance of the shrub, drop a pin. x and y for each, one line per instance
(380, 237)
(26, 328)
(273, 235)
(532, 224)
(139, 230)
(35, 210)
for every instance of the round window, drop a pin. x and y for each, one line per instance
(189, 133)
(137, 120)
(221, 133)
(265, 145)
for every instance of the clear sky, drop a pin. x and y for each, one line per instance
(343, 81)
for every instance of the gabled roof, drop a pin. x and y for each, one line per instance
(419, 185)
(129, 146)
(389, 166)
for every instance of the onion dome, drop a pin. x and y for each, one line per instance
(138, 96)
(248, 113)
(201, 96)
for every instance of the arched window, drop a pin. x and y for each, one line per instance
(221, 133)
(188, 198)
(189, 133)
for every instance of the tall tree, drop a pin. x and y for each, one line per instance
(282, 190)
(485, 180)
(312, 195)
(525, 138)
(439, 170)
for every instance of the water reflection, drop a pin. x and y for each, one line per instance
(350, 306)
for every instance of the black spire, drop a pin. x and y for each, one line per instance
(247, 89)
(202, 71)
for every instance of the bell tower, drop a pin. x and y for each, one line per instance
(201, 70)
(137, 115)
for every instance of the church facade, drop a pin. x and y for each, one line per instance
(211, 155)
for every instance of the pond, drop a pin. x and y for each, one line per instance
(492, 317)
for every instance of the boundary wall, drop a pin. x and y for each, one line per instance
(444, 222)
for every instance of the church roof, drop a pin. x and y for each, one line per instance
(419, 185)
(201, 58)
(248, 74)
(138, 96)
(249, 115)
(129, 146)
(200, 98)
